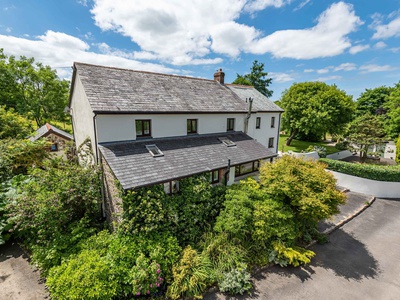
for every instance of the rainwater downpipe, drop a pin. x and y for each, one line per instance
(246, 123)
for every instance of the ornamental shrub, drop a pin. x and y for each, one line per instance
(294, 256)
(88, 275)
(191, 275)
(368, 171)
(236, 281)
(305, 188)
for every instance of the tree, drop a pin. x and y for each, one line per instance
(365, 131)
(256, 78)
(13, 125)
(34, 90)
(392, 121)
(373, 101)
(315, 108)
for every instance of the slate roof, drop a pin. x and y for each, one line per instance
(134, 166)
(46, 129)
(260, 102)
(126, 91)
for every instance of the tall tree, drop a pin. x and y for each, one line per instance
(13, 125)
(257, 78)
(392, 121)
(365, 131)
(34, 90)
(373, 101)
(315, 108)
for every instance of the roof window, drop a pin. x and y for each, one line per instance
(154, 151)
(227, 141)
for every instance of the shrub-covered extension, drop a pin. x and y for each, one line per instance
(374, 172)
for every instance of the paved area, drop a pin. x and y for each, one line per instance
(18, 279)
(362, 261)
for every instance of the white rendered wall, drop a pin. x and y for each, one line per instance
(118, 127)
(82, 115)
(382, 189)
(265, 132)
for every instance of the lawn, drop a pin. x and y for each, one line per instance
(298, 146)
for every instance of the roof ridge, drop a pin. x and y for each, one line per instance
(146, 72)
(48, 126)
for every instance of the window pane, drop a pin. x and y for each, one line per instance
(146, 125)
(138, 127)
(273, 122)
(246, 168)
(189, 126)
(194, 126)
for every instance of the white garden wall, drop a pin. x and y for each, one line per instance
(340, 155)
(382, 189)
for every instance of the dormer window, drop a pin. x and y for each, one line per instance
(154, 151)
(227, 141)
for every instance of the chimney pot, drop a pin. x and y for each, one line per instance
(219, 76)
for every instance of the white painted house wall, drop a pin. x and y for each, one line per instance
(118, 127)
(82, 115)
(265, 132)
(112, 128)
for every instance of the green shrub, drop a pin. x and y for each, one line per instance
(374, 172)
(191, 275)
(305, 188)
(236, 281)
(295, 256)
(319, 149)
(342, 145)
(86, 276)
(398, 150)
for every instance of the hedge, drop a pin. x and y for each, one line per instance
(374, 172)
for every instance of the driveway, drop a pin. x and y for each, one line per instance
(362, 261)
(18, 279)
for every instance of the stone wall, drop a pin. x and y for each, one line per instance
(112, 198)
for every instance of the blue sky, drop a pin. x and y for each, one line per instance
(354, 44)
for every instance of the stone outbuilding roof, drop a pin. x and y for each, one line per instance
(115, 90)
(47, 129)
(134, 166)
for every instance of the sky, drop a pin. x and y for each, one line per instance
(354, 44)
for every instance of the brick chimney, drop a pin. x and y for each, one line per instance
(219, 76)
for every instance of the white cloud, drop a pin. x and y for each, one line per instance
(327, 38)
(380, 45)
(280, 77)
(345, 67)
(309, 70)
(257, 5)
(375, 68)
(301, 5)
(358, 48)
(182, 32)
(83, 2)
(329, 78)
(384, 31)
(395, 50)
(60, 50)
(324, 70)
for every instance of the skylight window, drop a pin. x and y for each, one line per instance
(227, 141)
(154, 151)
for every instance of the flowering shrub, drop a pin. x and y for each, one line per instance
(146, 276)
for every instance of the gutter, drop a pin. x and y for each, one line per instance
(279, 128)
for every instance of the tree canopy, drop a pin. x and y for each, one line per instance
(257, 78)
(365, 131)
(315, 108)
(373, 101)
(32, 89)
(13, 125)
(392, 120)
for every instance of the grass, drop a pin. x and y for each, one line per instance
(298, 146)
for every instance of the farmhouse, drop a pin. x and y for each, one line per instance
(149, 128)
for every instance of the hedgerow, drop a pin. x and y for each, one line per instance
(368, 171)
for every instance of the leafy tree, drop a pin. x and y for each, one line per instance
(398, 150)
(257, 78)
(373, 101)
(13, 125)
(315, 108)
(304, 187)
(34, 90)
(364, 132)
(392, 122)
